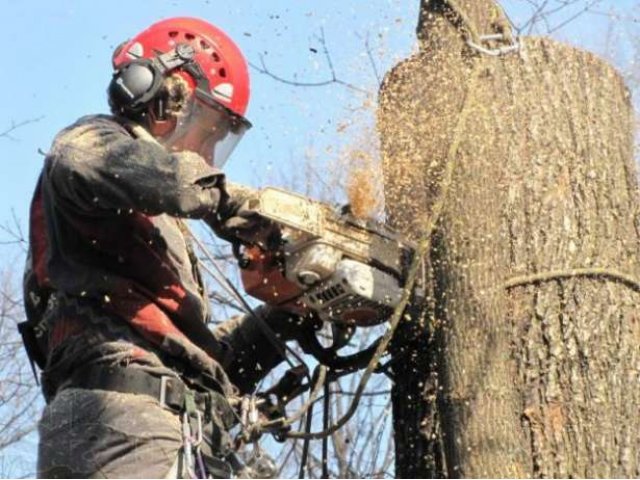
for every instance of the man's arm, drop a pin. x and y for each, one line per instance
(98, 166)
(252, 355)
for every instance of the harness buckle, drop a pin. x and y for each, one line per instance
(164, 381)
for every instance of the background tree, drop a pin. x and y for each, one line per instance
(19, 395)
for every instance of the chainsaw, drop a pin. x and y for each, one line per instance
(347, 271)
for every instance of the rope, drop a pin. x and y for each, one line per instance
(603, 273)
(325, 425)
(305, 446)
(423, 249)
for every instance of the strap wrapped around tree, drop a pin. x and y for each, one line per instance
(527, 360)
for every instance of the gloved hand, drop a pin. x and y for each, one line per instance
(236, 222)
(246, 226)
(288, 325)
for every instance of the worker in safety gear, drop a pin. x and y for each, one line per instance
(117, 311)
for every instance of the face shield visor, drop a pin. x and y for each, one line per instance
(209, 129)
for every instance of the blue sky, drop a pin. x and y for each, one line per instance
(56, 66)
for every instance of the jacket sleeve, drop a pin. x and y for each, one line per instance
(97, 165)
(251, 356)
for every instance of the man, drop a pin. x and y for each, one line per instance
(117, 311)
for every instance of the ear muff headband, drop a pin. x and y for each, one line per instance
(135, 84)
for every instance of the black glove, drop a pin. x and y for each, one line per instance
(287, 325)
(236, 222)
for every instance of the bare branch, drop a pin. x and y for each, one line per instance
(573, 17)
(16, 125)
(372, 60)
(333, 80)
(548, 11)
(225, 301)
(19, 395)
(14, 231)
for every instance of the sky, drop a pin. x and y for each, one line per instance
(56, 66)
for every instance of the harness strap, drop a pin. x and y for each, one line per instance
(170, 391)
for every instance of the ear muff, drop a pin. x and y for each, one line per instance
(136, 84)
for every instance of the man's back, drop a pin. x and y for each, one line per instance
(105, 259)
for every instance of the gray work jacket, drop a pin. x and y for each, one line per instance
(111, 274)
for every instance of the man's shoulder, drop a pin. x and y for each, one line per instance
(100, 121)
(88, 130)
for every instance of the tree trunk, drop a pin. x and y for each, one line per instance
(529, 362)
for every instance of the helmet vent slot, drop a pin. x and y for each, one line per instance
(222, 72)
(215, 56)
(204, 45)
(173, 34)
(189, 36)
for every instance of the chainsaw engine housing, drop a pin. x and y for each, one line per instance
(355, 294)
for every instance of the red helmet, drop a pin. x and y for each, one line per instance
(213, 66)
(219, 58)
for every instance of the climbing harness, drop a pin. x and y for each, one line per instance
(191, 446)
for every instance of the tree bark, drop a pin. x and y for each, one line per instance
(514, 375)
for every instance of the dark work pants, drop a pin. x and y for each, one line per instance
(100, 434)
